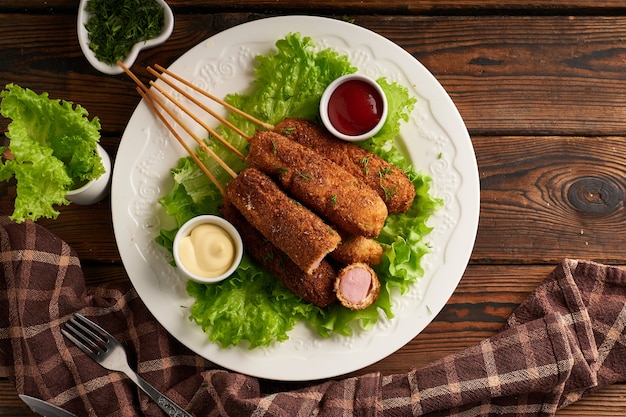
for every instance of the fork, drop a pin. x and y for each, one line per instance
(102, 347)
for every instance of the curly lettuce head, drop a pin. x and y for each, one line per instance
(52, 148)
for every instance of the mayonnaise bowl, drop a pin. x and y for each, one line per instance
(207, 249)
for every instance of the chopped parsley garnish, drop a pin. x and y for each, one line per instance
(116, 25)
(288, 131)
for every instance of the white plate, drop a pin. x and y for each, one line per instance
(435, 138)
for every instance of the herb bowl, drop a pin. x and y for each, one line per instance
(83, 39)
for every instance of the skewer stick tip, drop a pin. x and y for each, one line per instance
(132, 75)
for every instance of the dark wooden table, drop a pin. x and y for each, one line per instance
(540, 84)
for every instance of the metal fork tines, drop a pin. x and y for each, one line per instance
(102, 347)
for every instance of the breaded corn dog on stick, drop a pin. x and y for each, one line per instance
(321, 185)
(389, 181)
(291, 227)
(316, 288)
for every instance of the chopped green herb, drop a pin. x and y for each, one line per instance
(348, 19)
(384, 171)
(389, 192)
(305, 176)
(364, 162)
(288, 131)
(116, 25)
(333, 200)
(282, 171)
(268, 255)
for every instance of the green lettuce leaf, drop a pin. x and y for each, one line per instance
(253, 306)
(53, 148)
(250, 306)
(40, 184)
(290, 81)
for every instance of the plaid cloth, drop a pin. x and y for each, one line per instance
(566, 340)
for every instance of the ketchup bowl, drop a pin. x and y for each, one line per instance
(207, 249)
(353, 107)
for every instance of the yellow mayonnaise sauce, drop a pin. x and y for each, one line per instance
(208, 251)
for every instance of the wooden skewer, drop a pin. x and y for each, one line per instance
(199, 141)
(190, 151)
(253, 119)
(162, 105)
(204, 125)
(197, 103)
(198, 120)
(132, 75)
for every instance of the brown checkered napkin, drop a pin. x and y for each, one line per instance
(565, 341)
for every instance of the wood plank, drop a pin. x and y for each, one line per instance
(10, 404)
(101, 274)
(542, 199)
(507, 75)
(88, 229)
(546, 198)
(351, 6)
(449, 6)
(523, 73)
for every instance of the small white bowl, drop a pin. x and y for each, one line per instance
(94, 190)
(83, 39)
(185, 230)
(326, 101)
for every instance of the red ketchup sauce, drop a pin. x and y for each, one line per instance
(355, 107)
